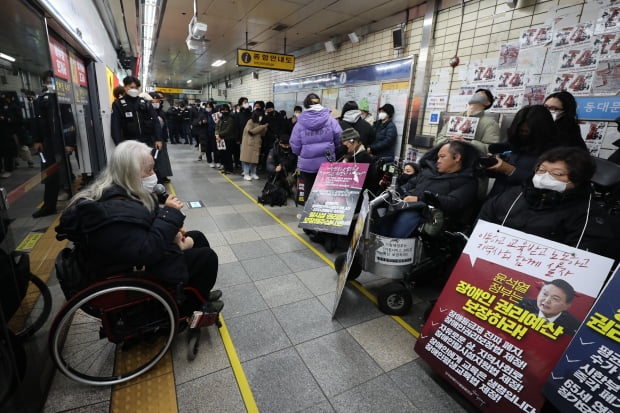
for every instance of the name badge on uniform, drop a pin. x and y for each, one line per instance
(128, 114)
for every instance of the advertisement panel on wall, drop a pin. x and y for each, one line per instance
(511, 306)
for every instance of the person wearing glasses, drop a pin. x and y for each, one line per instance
(554, 203)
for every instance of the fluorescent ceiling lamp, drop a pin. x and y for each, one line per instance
(7, 57)
(189, 81)
(218, 63)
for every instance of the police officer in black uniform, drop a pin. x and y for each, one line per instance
(185, 121)
(51, 144)
(135, 118)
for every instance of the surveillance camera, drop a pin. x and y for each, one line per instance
(197, 29)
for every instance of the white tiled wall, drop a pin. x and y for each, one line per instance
(486, 25)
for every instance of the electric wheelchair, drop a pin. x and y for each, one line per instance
(114, 329)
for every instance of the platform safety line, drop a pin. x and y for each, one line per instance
(235, 364)
(279, 221)
(357, 285)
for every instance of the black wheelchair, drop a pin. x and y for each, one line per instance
(114, 329)
(427, 257)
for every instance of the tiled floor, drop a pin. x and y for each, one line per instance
(279, 296)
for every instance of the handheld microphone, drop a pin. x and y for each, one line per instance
(161, 193)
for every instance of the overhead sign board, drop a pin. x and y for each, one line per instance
(265, 60)
(179, 91)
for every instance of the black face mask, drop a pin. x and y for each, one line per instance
(224, 113)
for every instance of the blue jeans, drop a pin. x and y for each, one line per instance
(249, 169)
(401, 225)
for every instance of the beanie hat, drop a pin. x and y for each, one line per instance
(349, 134)
(269, 105)
(363, 105)
(389, 109)
(284, 139)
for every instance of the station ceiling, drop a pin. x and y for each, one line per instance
(304, 23)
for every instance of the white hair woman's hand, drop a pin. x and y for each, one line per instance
(174, 202)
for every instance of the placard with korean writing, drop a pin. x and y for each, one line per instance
(509, 309)
(265, 60)
(60, 60)
(464, 126)
(587, 378)
(331, 204)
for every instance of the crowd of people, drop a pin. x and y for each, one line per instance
(542, 175)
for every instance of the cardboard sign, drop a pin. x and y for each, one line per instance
(494, 333)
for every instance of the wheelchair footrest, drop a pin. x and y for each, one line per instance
(203, 319)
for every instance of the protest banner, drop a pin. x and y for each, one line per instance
(587, 378)
(330, 206)
(505, 315)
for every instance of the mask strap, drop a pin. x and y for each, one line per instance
(510, 209)
(586, 223)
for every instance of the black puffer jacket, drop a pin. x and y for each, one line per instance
(118, 232)
(454, 191)
(549, 214)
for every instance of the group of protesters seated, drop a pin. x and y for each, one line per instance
(542, 186)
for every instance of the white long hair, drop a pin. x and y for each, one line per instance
(124, 169)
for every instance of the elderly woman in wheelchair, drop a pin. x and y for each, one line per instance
(135, 275)
(411, 234)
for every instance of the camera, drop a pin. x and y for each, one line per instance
(487, 161)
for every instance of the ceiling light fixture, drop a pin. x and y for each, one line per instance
(149, 23)
(189, 81)
(218, 63)
(7, 57)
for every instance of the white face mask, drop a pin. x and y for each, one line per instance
(149, 182)
(133, 93)
(547, 181)
(208, 109)
(555, 114)
(382, 115)
(156, 105)
(297, 113)
(246, 105)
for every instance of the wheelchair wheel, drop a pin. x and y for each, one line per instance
(329, 242)
(356, 266)
(394, 299)
(33, 310)
(113, 331)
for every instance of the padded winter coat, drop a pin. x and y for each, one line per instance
(314, 135)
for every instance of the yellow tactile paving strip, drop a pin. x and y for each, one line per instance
(42, 259)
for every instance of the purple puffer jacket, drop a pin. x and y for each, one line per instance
(314, 132)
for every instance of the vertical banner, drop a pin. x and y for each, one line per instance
(587, 378)
(79, 80)
(60, 63)
(331, 204)
(509, 309)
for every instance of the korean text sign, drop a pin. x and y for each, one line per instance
(494, 333)
(587, 378)
(331, 204)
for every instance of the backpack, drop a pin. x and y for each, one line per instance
(273, 194)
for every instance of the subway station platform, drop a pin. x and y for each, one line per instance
(279, 349)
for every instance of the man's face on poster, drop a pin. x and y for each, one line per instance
(551, 300)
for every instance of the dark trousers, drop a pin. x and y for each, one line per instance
(202, 263)
(226, 157)
(185, 132)
(309, 179)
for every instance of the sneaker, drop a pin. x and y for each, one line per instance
(214, 295)
(200, 158)
(212, 306)
(247, 178)
(6, 175)
(212, 165)
(255, 176)
(218, 165)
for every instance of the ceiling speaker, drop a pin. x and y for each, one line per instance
(329, 46)
(354, 38)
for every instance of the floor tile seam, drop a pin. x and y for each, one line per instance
(375, 378)
(138, 381)
(73, 409)
(177, 384)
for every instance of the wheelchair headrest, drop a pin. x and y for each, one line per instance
(607, 173)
